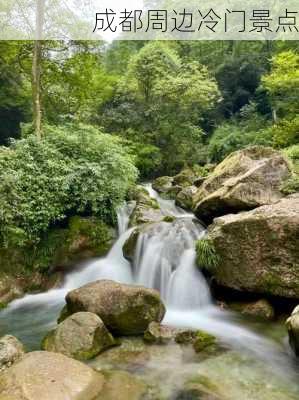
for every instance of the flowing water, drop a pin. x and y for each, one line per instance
(165, 260)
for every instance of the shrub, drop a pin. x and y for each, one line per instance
(148, 159)
(292, 153)
(291, 185)
(207, 256)
(74, 169)
(286, 132)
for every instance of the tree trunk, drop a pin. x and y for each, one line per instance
(37, 70)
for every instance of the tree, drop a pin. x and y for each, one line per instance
(282, 83)
(36, 69)
(164, 100)
(15, 94)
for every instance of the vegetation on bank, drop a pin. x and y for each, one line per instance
(206, 254)
(74, 170)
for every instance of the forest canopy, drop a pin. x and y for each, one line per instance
(112, 111)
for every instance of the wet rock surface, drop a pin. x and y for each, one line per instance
(157, 333)
(11, 350)
(259, 249)
(82, 335)
(292, 324)
(124, 309)
(48, 376)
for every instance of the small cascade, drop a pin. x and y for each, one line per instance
(123, 216)
(165, 260)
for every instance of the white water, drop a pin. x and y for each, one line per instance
(165, 260)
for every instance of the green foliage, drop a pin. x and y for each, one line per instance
(239, 133)
(163, 100)
(154, 62)
(293, 155)
(291, 185)
(78, 86)
(73, 170)
(286, 132)
(238, 79)
(15, 96)
(207, 256)
(282, 82)
(148, 158)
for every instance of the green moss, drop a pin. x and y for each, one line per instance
(33, 265)
(202, 341)
(207, 256)
(169, 218)
(64, 313)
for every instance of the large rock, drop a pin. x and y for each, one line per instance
(293, 330)
(259, 249)
(184, 198)
(246, 179)
(47, 376)
(82, 336)
(170, 187)
(11, 350)
(163, 184)
(10, 289)
(124, 309)
(259, 309)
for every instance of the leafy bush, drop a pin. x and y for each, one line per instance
(206, 254)
(292, 154)
(230, 137)
(74, 169)
(286, 132)
(240, 132)
(291, 185)
(148, 159)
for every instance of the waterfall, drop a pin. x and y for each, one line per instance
(165, 260)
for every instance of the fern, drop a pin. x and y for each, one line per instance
(207, 256)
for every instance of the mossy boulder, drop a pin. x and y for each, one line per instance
(147, 209)
(259, 249)
(176, 188)
(42, 375)
(163, 184)
(124, 309)
(11, 350)
(292, 324)
(185, 178)
(204, 341)
(185, 336)
(84, 237)
(82, 336)
(184, 198)
(259, 309)
(246, 179)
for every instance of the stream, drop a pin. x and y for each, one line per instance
(256, 367)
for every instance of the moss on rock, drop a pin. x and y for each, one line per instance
(33, 268)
